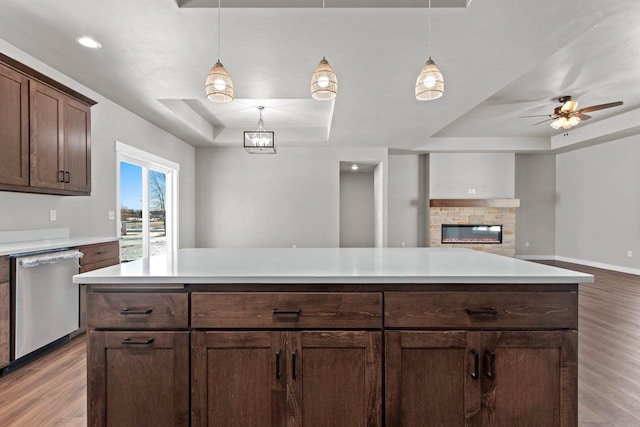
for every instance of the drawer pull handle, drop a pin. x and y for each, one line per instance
(276, 312)
(489, 363)
(143, 341)
(126, 311)
(489, 311)
(476, 364)
(278, 364)
(67, 178)
(293, 365)
(61, 176)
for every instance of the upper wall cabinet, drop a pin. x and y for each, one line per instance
(45, 133)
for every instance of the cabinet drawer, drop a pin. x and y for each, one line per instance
(100, 264)
(286, 310)
(4, 269)
(499, 310)
(137, 310)
(99, 252)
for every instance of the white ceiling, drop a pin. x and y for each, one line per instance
(500, 59)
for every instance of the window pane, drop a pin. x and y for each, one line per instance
(130, 212)
(157, 212)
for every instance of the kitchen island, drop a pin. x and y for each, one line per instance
(339, 337)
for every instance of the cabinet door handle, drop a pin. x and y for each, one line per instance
(61, 176)
(126, 311)
(293, 365)
(489, 363)
(276, 312)
(143, 341)
(485, 311)
(278, 364)
(67, 178)
(476, 364)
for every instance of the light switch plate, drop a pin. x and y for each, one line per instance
(52, 215)
(112, 215)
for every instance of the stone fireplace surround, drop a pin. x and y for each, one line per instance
(475, 211)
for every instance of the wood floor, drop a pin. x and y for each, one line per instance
(51, 391)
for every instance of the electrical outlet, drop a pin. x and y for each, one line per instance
(112, 215)
(526, 244)
(52, 215)
(404, 244)
(630, 253)
(294, 246)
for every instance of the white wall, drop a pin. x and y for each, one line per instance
(598, 210)
(535, 186)
(279, 200)
(356, 210)
(451, 175)
(407, 205)
(88, 216)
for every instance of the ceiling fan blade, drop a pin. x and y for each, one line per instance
(599, 107)
(542, 121)
(582, 116)
(537, 115)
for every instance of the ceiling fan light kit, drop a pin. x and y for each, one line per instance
(218, 86)
(567, 115)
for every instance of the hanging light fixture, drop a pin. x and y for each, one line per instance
(260, 141)
(430, 83)
(219, 86)
(324, 82)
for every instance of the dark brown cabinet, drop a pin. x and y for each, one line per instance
(138, 359)
(4, 311)
(95, 256)
(45, 133)
(487, 374)
(14, 127)
(306, 378)
(60, 143)
(469, 378)
(138, 378)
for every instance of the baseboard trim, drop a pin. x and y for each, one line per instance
(595, 264)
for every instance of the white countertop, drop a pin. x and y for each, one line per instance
(330, 266)
(15, 248)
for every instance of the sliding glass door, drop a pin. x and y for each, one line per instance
(147, 214)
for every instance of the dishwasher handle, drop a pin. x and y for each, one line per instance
(48, 258)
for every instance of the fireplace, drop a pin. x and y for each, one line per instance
(471, 233)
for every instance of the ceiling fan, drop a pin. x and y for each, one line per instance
(567, 115)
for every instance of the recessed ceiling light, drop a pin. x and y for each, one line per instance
(354, 167)
(88, 42)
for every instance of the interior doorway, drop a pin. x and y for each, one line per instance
(357, 205)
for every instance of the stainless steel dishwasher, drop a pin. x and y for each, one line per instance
(45, 301)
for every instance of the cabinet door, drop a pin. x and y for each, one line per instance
(14, 127)
(433, 378)
(77, 146)
(529, 379)
(138, 378)
(336, 377)
(46, 130)
(238, 379)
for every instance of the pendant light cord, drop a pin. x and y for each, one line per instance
(429, 11)
(219, 1)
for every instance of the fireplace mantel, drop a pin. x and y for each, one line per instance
(474, 203)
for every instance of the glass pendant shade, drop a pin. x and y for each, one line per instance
(219, 86)
(324, 83)
(430, 83)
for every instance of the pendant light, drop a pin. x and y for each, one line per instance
(219, 86)
(324, 82)
(260, 141)
(430, 83)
